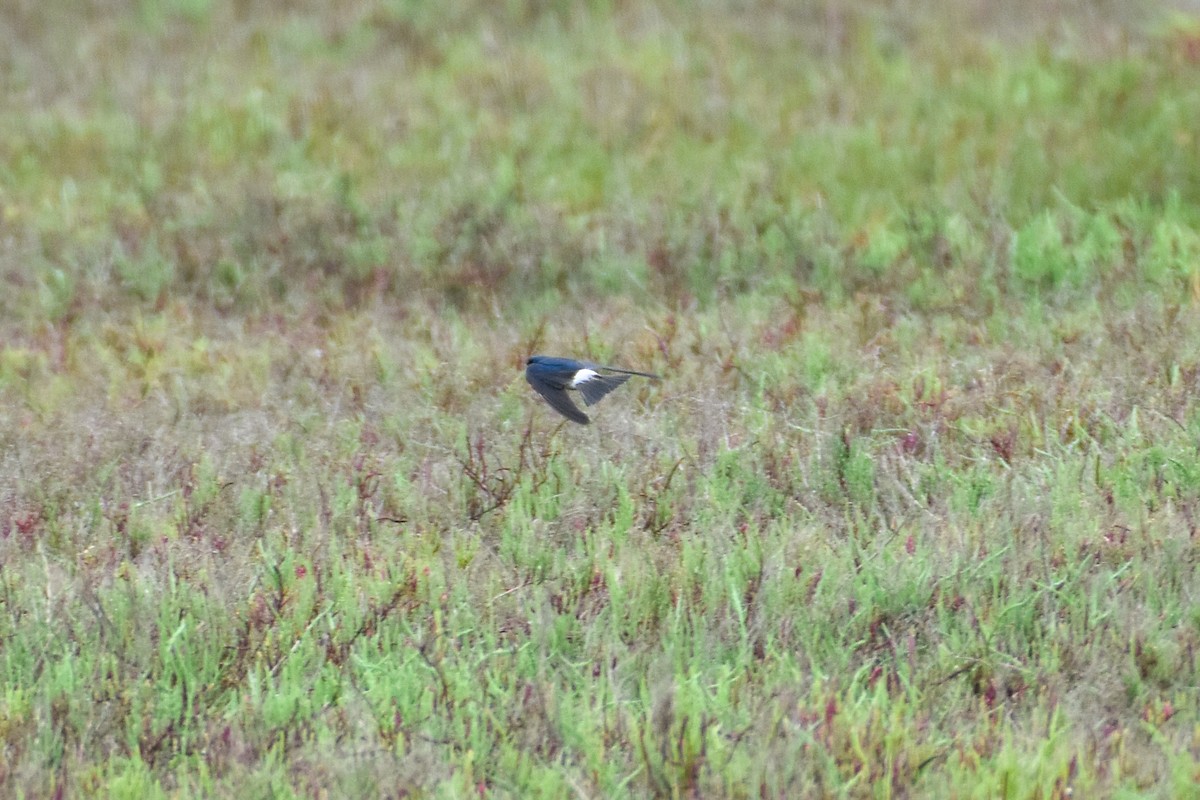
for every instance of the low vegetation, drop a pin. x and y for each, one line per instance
(913, 512)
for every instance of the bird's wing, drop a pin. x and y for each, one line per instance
(557, 397)
(595, 387)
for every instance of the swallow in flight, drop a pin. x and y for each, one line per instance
(553, 377)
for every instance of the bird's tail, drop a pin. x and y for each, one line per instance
(633, 372)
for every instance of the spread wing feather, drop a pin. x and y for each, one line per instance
(595, 388)
(556, 396)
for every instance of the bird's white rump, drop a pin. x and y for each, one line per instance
(583, 376)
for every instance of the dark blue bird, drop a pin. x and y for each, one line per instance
(553, 377)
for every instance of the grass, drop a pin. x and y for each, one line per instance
(913, 512)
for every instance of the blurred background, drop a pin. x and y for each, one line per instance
(912, 513)
(254, 155)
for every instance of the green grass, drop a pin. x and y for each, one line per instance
(912, 513)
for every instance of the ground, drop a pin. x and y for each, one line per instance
(912, 513)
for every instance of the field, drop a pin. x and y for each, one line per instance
(912, 513)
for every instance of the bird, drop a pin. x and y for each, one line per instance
(552, 377)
